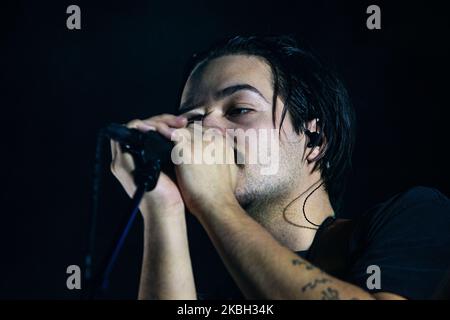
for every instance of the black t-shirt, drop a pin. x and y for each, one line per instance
(407, 237)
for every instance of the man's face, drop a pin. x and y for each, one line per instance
(236, 92)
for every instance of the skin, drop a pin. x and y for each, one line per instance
(240, 209)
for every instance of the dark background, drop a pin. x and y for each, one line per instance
(58, 87)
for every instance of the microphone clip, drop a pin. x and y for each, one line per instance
(147, 167)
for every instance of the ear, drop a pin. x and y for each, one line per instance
(314, 140)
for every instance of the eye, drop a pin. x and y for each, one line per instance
(234, 112)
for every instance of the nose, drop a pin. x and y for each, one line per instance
(215, 120)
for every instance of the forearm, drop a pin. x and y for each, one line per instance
(262, 267)
(166, 267)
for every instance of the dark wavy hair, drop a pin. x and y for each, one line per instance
(309, 90)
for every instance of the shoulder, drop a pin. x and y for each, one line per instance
(413, 197)
(421, 207)
(420, 194)
(407, 237)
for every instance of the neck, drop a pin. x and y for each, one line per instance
(284, 218)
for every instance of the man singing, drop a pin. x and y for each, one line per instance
(277, 234)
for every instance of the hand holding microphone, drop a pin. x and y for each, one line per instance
(165, 197)
(161, 206)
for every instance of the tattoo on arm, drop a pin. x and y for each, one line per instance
(330, 294)
(298, 262)
(327, 294)
(313, 284)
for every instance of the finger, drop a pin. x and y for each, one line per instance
(162, 127)
(113, 150)
(140, 125)
(114, 155)
(169, 119)
(165, 130)
(121, 161)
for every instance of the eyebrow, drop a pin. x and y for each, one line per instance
(228, 91)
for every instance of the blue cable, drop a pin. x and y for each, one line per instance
(136, 200)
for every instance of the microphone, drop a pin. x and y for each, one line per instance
(150, 145)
